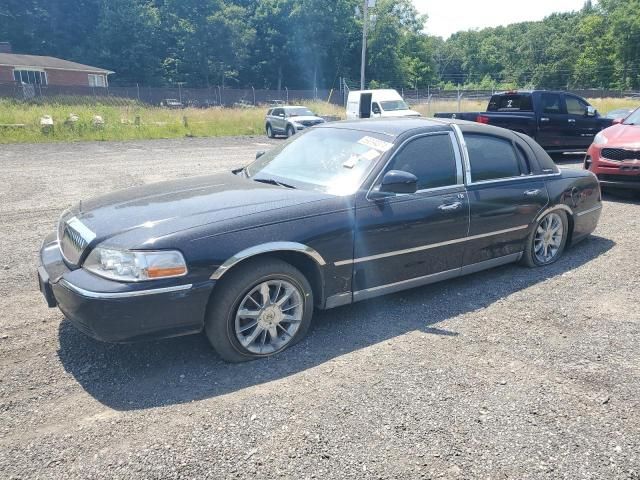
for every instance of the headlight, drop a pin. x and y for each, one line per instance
(135, 266)
(600, 139)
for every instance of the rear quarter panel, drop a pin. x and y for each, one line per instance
(579, 191)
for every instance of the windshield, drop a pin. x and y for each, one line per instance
(299, 112)
(633, 119)
(393, 105)
(330, 160)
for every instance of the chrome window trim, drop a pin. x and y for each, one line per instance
(133, 294)
(267, 248)
(456, 153)
(428, 247)
(511, 179)
(462, 143)
(467, 163)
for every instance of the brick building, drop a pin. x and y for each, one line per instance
(20, 69)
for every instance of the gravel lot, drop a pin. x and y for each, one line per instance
(512, 373)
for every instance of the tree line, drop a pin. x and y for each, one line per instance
(313, 43)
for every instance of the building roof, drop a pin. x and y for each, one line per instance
(36, 61)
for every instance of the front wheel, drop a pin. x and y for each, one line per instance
(260, 309)
(270, 131)
(547, 241)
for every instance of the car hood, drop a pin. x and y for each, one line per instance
(401, 113)
(140, 215)
(624, 136)
(305, 118)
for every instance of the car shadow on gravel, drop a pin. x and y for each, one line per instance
(185, 369)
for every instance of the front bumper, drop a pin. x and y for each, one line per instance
(119, 312)
(611, 173)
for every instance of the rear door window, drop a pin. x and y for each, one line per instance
(511, 103)
(492, 158)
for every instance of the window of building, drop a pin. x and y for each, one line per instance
(97, 80)
(30, 77)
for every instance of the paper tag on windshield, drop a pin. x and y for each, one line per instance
(370, 155)
(379, 145)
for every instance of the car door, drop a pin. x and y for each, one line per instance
(506, 194)
(582, 128)
(552, 121)
(278, 120)
(410, 239)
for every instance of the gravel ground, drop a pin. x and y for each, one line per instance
(511, 373)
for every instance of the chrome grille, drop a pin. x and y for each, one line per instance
(310, 123)
(620, 154)
(74, 237)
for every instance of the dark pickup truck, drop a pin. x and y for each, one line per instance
(558, 121)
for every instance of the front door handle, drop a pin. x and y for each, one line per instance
(532, 193)
(448, 207)
(544, 119)
(572, 120)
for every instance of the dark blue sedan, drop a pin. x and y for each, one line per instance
(342, 213)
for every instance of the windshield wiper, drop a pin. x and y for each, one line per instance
(271, 181)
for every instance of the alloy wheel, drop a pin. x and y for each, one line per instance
(548, 238)
(269, 316)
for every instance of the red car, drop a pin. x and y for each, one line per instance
(614, 155)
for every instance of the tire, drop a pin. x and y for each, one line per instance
(270, 131)
(230, 332)
(545, 247)
(290, 131)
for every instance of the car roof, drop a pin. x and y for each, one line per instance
(390, 126)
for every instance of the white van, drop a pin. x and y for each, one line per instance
(377, 103)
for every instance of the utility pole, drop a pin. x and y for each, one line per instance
(365, 21)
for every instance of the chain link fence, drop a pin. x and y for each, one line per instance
(165, 96)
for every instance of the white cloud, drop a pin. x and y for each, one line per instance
(450, 16)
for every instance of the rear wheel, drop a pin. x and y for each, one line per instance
(260, 309)
(547, 241)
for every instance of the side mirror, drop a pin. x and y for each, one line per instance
(376, 109)
(281, 115)
(617, 121)
(396, 182)
(591, 111)
(260, 153)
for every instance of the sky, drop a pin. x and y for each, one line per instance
(450, 16)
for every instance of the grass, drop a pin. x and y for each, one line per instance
(120, 120)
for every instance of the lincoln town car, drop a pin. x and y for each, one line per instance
(341, 213)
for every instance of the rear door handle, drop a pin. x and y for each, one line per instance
(544, 119)
(448, 207)
(532, 193)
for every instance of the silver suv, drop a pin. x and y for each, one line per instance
(289, 120)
